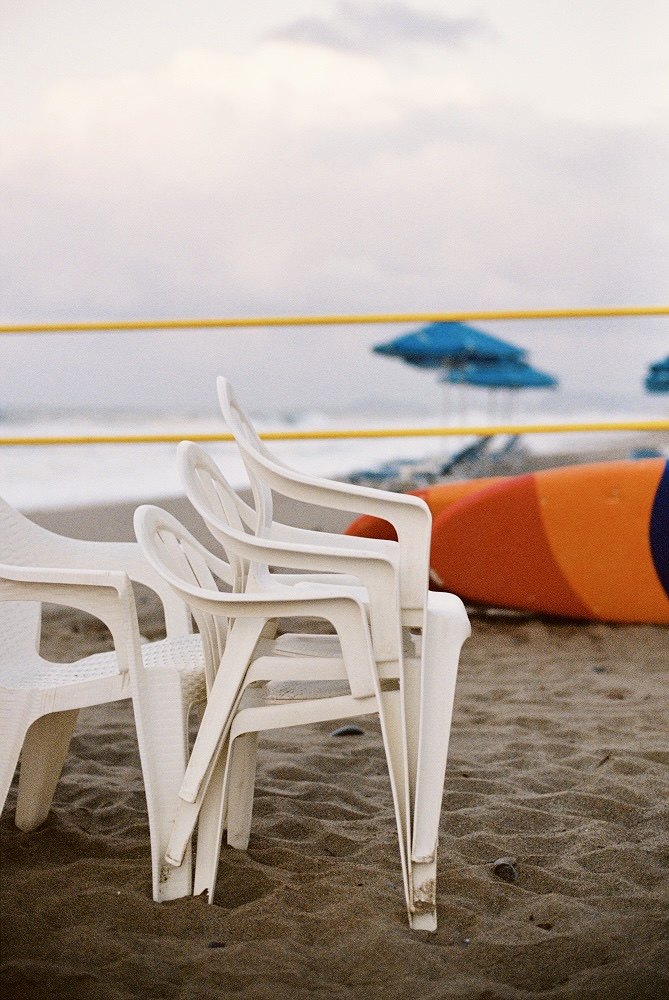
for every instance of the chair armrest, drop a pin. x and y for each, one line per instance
(48, 577)
(289, 533)
(409, 515)
(343, 610)
(105, 594)
(127, 557)
(376, 571)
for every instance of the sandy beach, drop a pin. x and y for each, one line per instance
(559, 759)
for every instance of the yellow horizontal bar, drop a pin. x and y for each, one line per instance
(351, 320)
(485, 431)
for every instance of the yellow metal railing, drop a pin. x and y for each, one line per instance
(485, 431)
(351, 320)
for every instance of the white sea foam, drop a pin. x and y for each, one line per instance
(40, 477)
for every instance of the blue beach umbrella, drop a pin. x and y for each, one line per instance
(446, 345)
(501, 375)
(657, 379)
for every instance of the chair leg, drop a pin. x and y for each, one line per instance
(223, 696)
(241, 785)
(210, 799)
(412, 706)
(423, 911)
(447, 627)
(210, 827)
(422, 877)
(161, 714)
(391, 716)
(15, 718)
(229, 797)
(44, 751)
(209, 754)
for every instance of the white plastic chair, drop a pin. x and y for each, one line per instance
(209, 492)
(438, 622)
(219, 505)
(218, 785)
(40, 700)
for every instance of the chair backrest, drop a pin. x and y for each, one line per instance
(188, 567)
(409, 514)
(254, 454)
(20, 621)
(216, 501)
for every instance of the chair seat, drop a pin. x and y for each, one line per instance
(279, 691)
(294, 643)
(39, 674)
(183, 654)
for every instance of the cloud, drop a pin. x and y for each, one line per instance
(368, 28)
(283, 176)
(287, 181)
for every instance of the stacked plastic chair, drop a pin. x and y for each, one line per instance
(416, 636)
(40, 700)
(238, 630)
(403, 614)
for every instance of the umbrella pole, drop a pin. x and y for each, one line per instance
(461, 404)
(446, 411)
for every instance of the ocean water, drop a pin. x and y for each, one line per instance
(55, 476)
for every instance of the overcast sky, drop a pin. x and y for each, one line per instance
(193, 158)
